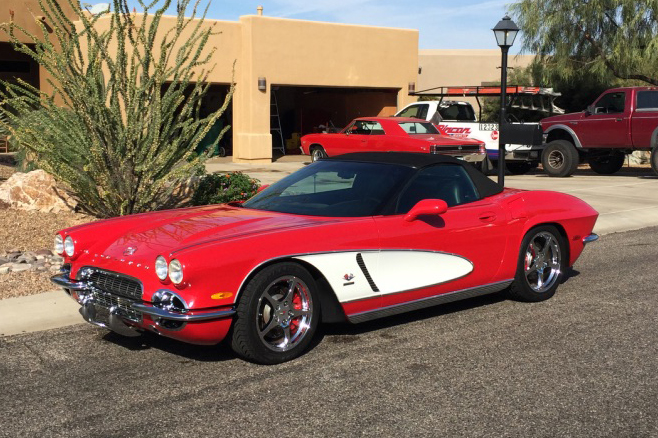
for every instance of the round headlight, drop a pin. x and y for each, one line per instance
(59, 244)
(175, 271)
(69, 247)
(161, 268)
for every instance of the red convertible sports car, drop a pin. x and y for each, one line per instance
(386, 134)
(349, 238)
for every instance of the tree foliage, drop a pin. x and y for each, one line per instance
(597, 38)
(124, 137)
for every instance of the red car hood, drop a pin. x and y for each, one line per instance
(561, 118)
(444, 139)
(164, 232)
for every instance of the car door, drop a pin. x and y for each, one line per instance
(460, 249)
(354, 138)
(608, 124)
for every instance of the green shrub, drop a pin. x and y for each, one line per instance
(124, 134)
(223, 188)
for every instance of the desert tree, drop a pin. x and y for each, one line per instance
(599, 39)
(123, 121)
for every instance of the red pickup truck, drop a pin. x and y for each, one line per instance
(622, 120)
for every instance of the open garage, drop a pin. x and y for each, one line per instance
(298, 110)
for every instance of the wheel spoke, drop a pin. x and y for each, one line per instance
(532, 268)
(547, 245)
(268, 328)
(540, 278)
(295, 313)
(287, 335)
(291, 289)
(271, 301)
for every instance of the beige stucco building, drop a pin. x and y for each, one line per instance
(293, 77)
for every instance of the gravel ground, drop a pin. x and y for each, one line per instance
(29, 231)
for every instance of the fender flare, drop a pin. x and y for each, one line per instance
(571, 132)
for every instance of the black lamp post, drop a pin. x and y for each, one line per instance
(505, 32)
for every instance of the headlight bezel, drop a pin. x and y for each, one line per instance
(160, 264)
(59, 244)
(69, 246)
(176, 271)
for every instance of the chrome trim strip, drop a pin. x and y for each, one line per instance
(591, 238)
(64, 281)
(428, 302)
(177, 316)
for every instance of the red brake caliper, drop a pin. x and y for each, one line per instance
(297, 305)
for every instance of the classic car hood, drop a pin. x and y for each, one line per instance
(163, 233)
(444, 139)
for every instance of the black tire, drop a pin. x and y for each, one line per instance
(520, 167)
(532, 263)
(560, 158)
(221, 151)
(654, 160)
(607, 164)
(265, 329)
(317, 153)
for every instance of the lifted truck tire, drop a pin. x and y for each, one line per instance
(560, 158)
(607, 164)
(654, 160)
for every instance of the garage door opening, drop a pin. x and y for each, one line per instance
(305, 110)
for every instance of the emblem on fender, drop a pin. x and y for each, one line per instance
(348, 277)
(129, 251)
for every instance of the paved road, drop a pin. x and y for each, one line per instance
(581, 364)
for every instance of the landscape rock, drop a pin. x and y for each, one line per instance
(44, 252)
(35, 191)
(19, 267)
(4, 269)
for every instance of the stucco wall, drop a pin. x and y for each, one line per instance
(296, 52)
(26, 13)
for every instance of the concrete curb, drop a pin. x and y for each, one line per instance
(38, 312)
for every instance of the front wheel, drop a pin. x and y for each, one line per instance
(318, 153)
(654, 160)
(560, 158)
(277, 315)
(607, 164)
(541, 265)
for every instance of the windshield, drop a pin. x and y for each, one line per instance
(412, 128)
(334, 189)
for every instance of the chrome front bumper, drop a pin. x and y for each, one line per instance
(122, 310)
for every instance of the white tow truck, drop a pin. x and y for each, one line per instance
(458, 118)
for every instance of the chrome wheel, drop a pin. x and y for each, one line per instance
(556, 159)
(317, 154)
(542, 262)
(285, 310)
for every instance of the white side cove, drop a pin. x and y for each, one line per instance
(390, 271)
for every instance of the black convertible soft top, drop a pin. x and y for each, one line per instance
(485, 186)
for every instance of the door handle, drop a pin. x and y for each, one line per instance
(619, 120)
(488, 216)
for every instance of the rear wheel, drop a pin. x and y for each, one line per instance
(541, 264)
(277, 315)
(654, 160)
(317, 153)
(607, 164)
(560, 158)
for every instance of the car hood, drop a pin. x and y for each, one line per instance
(168, 232)
(444, 139)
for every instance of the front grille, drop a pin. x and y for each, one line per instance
(116, 284)
(122, 305)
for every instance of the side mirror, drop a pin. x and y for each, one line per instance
(261, 188)
(590, 110)
(433, 207)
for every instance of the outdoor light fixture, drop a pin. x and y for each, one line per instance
(412, 87)
(505, 32)
(262, 84)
